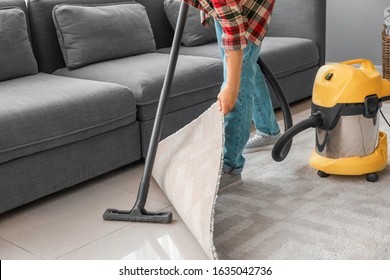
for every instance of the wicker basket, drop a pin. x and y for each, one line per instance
(386, 55)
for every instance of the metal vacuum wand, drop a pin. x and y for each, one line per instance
(138, 212)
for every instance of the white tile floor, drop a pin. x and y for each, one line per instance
(69, 224)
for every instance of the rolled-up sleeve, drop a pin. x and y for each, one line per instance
(193, 3)
(234, 24)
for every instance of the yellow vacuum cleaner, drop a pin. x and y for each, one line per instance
(346, 100)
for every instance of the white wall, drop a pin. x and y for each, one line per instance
(354, 29)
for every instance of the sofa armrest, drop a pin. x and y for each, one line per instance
(300, 18)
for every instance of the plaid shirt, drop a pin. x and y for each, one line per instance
(241, 20)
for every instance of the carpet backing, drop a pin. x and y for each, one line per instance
(187, 168)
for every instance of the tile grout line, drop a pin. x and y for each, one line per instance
(92, 241)
(23, 249)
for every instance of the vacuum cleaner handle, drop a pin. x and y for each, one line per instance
(158, 123)
(364, 63)
(138, 212)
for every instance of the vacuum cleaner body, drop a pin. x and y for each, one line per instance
(349, 98)
(346, 100)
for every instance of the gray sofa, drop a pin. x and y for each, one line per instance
(62, 126)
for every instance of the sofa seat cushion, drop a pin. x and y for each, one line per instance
(283, 55)
(144, 75)
(42, 111)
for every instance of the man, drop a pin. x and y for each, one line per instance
(241, 25)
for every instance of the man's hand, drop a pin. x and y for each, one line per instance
(227, 99)
(228, 95)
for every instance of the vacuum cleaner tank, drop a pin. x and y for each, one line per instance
(352, 136)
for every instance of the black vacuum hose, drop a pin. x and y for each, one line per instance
(287, 117)
(279, 152)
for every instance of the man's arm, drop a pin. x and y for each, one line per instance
(228, 95)
(233, 41)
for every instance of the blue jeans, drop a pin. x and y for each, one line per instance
(253, 103)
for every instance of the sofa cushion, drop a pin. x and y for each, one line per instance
(93, 33)
(16, 55)
(43, 111)
(20, 4)
(194, 33)
(283, 55)
(45, 44)
(144, 75)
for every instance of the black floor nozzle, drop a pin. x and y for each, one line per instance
(137, 215)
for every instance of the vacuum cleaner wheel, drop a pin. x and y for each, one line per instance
(372, 177)
(322, 174)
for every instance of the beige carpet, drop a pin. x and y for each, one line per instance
(283, 210)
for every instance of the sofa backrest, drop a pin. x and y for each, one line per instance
(45, 42)
(302, 19)
(162, 29)
(291, 18)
